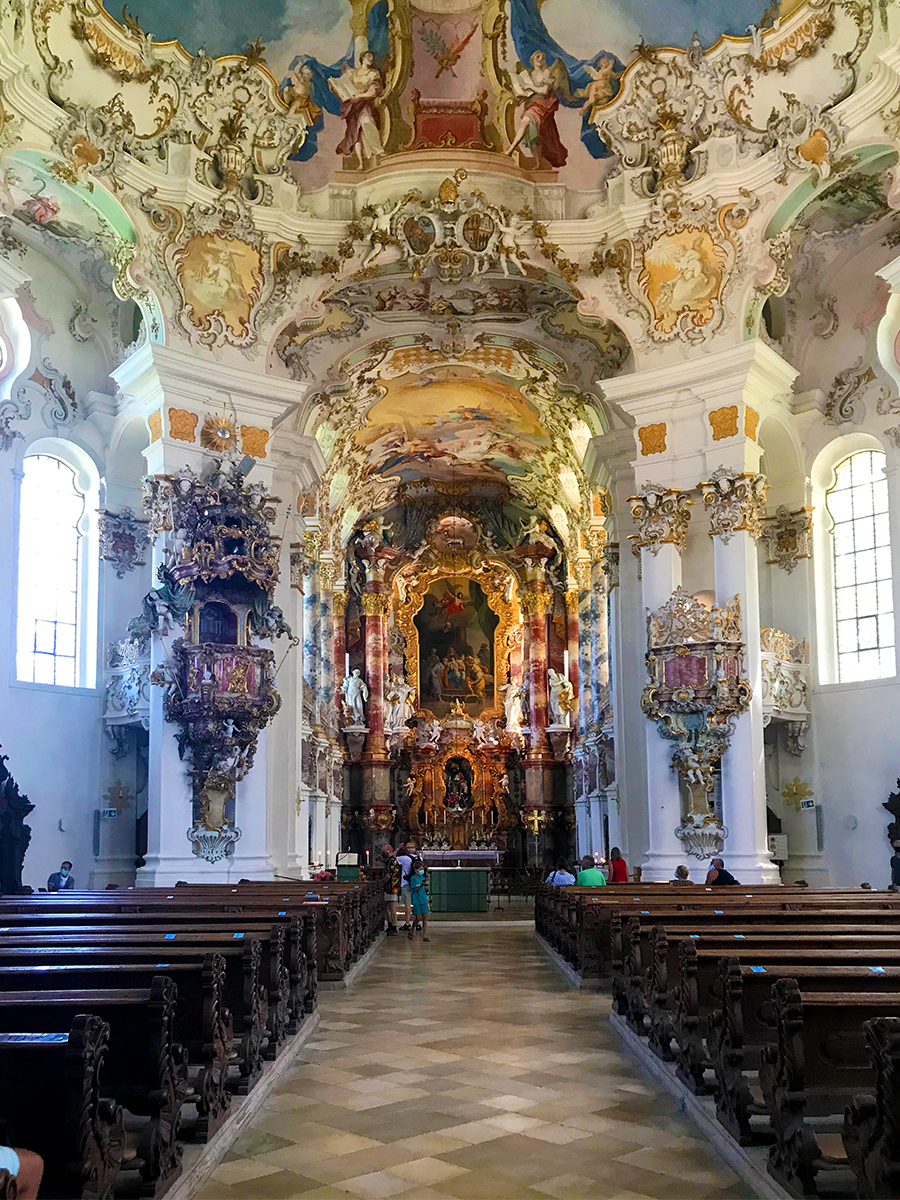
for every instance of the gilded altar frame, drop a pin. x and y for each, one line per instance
(488, 768)
(499, 584)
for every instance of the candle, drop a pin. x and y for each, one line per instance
(347, 663)
(566, 663)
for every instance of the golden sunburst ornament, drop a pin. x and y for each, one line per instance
(218, 433)
(795, 791)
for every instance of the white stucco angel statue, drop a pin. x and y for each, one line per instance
(562, 698)
(355, 691)
(399, 695)
(513, 695)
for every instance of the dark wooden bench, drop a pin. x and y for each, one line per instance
(62, 1115)
(811, 1073)
(871, 1132)
(145, 1069)
(738, 1031)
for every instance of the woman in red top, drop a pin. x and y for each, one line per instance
(618, 867)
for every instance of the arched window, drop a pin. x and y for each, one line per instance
(54, 640)
(857, 503)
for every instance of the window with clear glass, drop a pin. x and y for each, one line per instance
(51, 509)
(863, 587)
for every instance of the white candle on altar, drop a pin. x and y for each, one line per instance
(566, 663)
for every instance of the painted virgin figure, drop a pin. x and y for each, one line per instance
(358, 88)
(536, 126)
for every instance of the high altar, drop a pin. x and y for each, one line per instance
(455, 639)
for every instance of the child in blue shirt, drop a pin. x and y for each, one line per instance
(419, 896)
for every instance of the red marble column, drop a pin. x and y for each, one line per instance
(375, 607)
(572, 638)
(534, 607)
(340, 648)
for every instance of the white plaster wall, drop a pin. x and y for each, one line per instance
(858, 764)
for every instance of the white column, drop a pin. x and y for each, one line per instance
(660, 576)
(169, 800)
(595, 826)
(319, 846)
(299, 859)
(743, 765)
(583, 840)
(251, 859)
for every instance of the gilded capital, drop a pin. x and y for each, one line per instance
(735, 500)
(340, 603)
(376, 604)
(662, 515)
(572, 601)
(534, 603)
(581, 569)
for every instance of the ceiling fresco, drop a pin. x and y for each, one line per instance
(450, 424)
(439, 73)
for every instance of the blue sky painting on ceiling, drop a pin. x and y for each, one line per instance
(320, 29)
(570, 30)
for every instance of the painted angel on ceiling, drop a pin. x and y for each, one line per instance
(536, 127)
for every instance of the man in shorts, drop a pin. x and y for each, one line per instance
(393, 878)
(405, 858)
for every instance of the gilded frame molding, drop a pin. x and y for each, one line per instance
(497, 581)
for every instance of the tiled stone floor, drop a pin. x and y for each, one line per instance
(466, 1068)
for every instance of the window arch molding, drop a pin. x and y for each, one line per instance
(86, 479)
(823, 477)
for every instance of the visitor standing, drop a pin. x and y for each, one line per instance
(405, 853)
(393, 875)
(420, 906)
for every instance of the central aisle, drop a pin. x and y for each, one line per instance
(467, 1068)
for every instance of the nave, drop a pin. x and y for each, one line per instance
(468, 1068)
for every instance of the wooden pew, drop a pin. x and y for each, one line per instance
(203, 1021)
(144, 1071)
(871, 1133)
(62, 1115)
(744, 1024)
(696, 993)
(245, 991)
(813, 1071)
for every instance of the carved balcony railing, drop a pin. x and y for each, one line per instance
(785, 679)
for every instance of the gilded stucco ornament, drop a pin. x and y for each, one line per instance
(675, 271)
(734, 500)
(225, 277)
(788, 537)
(807, 138)
(123, 540)
(694, 694)
(662, 515)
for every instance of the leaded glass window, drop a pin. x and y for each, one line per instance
(863, 585)
(51, 510)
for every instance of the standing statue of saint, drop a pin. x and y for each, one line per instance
(355, 692)
(562, 698)
(358, 88)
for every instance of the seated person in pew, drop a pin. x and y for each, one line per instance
(26, 1168)
(618, 867)
(62, 880)
(561, 876)
(719, 877)
(590, 874)
(682, 876)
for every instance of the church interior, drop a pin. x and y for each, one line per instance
(449, 484)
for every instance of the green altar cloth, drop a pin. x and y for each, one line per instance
(458, 889)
